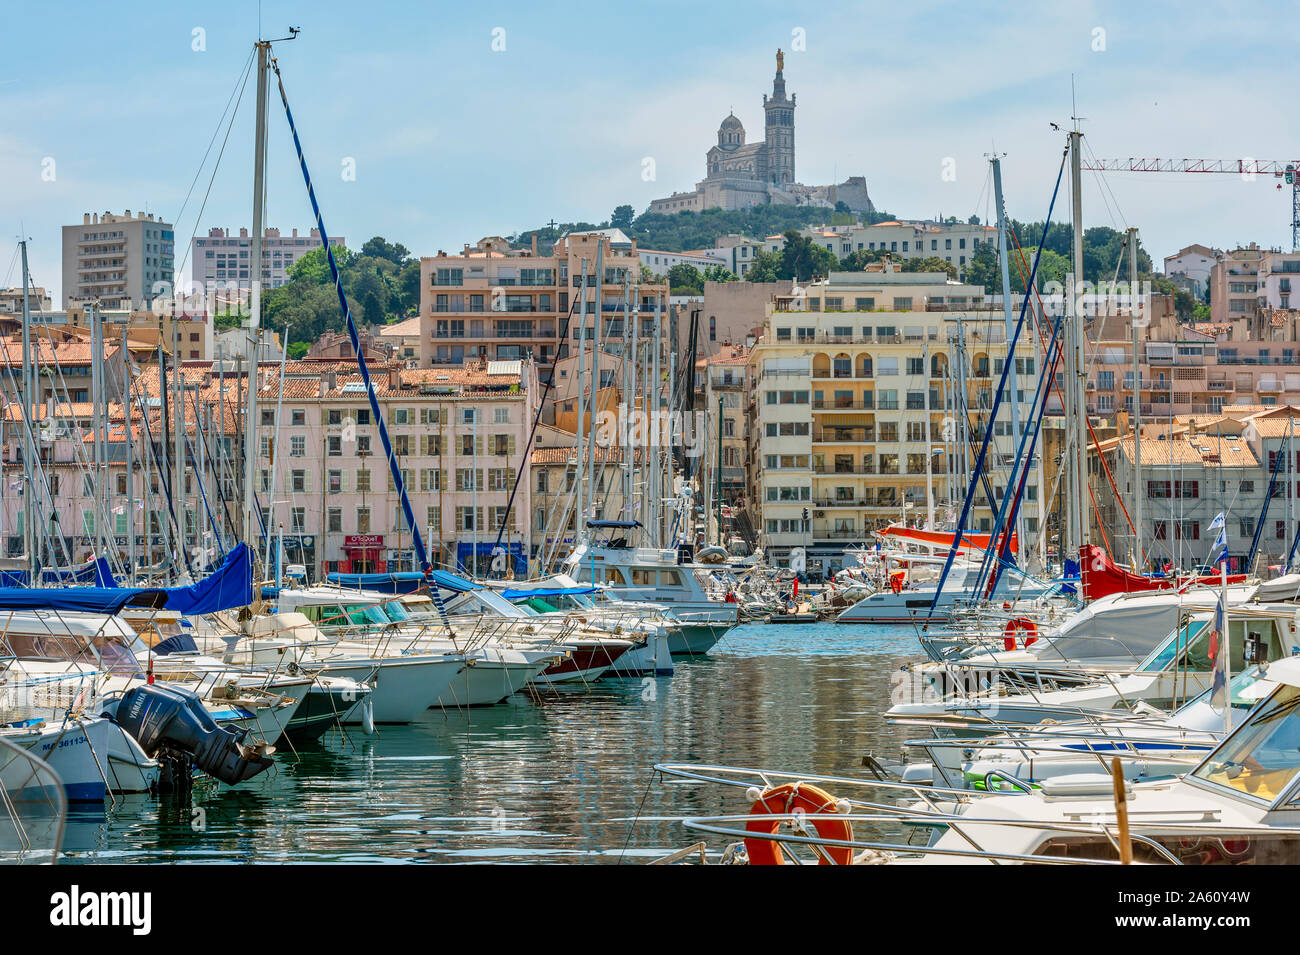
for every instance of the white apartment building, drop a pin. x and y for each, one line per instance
(955, 243)
(220, 257)
(1192, 265)
(855, 387)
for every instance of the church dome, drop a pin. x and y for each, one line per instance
(731, 133)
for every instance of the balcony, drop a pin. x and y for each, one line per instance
(837, 533)
(847, 469)
(835, 404)
(1268, 384)
(846, 436)
(865, 501)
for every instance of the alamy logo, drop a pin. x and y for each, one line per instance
(77, 908)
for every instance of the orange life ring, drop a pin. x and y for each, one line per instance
(1018, 625)
(795, 797)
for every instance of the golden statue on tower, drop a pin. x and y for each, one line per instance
(780, 60)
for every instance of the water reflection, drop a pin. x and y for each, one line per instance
(540, 778)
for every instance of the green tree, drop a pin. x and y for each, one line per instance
(719, 273)
(858, 261)
(931, 264)
(381, 248)
(764, 267)
(685, 279)
(622, 217)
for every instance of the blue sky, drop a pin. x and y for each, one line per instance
(453, 140)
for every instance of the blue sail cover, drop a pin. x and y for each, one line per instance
(94, 574)
(85, 599)
(227, 587)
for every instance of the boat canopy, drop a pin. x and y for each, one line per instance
(627, 525)
(109, 600)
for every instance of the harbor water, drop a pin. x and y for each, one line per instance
(555, 777)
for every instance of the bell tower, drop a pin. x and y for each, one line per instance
(779, 128)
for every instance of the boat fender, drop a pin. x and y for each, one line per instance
(368, 716)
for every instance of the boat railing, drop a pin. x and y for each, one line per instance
(855, 810)
(33, 807)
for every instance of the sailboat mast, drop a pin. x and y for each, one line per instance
(1139, 488)
(595, 377)
(580, 532)
(1078, 463)
(29, 435)
(127, 407)
(1005, 267)
(255, 294)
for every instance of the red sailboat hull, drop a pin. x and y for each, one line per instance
(1103, 577)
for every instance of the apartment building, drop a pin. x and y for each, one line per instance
(1234, 283)
(117, 260)
(955, 243)
(323, 485)
(857, 387)
(1198, 468)
(495, 302)
(221, 260)
(1190, 268)
(11, 300)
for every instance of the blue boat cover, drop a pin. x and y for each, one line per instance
(402, 581)
(94, 574)
(517, 594)
(625, 524)
(227, 587)
(87, 599)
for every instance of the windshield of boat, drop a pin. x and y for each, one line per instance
(1190, 650)
(1262, 757)
(1245, 689)
(395, 611)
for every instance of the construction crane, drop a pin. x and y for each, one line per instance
(1284, 171)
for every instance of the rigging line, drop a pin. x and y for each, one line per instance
(38, 467)
(537, 419)
(980, 459)
(1020, 266)
(1101, 177)
(212, 178)
(216, 129)
(101, 503)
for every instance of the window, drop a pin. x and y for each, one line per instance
(297, 520)
(334, 482)
(298, 417)
(298, 482)
(334, 446)
(501, 416)
(297, 446)
(334, 520)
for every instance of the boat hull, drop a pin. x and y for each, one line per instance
(403, 687)
(653, 658)
(93, 757)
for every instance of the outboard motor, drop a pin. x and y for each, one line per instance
(172, 725)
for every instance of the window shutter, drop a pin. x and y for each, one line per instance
(510, 441)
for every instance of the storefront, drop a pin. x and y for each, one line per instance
(479, 561)
(364, 554)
